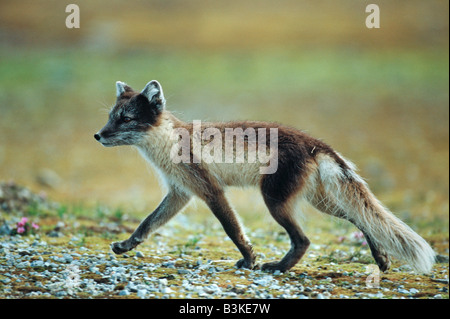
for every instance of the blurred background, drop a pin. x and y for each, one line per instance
(378, 96)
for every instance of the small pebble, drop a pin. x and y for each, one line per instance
(403, 291)
(141, 293)
(124, 292)
(37, 263)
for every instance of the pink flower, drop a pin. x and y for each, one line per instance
(341, 239)
(35, 226)
(22, 222)
(358, 235)
(20, 230)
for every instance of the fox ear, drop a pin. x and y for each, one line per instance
(122, 87)
(154, 93)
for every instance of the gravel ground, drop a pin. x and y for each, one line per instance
(31, 268)
(72, 259)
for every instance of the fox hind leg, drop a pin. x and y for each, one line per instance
(380, 256)
(326, 204)
(280, 191)
(283, 213)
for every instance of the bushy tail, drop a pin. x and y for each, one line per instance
(343, 193)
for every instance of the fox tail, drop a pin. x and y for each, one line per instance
(343, 193)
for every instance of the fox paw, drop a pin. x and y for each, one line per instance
(273, 266)
(119, 248)
(244, 263)
(383, 262)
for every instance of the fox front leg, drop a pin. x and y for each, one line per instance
(227, 217)
(174, 201)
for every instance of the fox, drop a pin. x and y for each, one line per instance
(306, 169)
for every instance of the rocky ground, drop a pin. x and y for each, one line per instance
(67, 255)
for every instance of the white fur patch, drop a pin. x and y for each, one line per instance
(352, 197)
(153, 88)
(120, 88)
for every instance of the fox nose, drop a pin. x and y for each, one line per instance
(97, 137)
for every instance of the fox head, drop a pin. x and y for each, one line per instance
(133, 114)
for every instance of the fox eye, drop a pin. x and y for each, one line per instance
(126, 119)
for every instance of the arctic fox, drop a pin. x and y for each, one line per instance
(288, 165)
